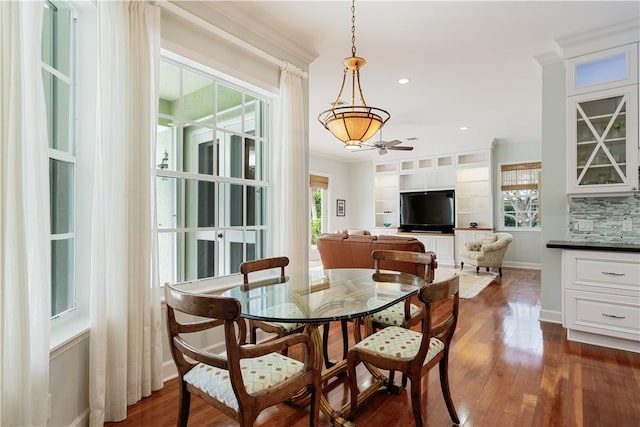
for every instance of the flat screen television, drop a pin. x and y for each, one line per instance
(432, 211)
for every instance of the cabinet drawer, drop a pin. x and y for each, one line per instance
(603, 314)
(619, 272)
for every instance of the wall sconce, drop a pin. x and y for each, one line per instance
(165, 161)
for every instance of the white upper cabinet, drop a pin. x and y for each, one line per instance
(603, 70)
(602, 141)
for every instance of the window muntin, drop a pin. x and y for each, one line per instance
(520, 191)
(57, 76)
(212, 170)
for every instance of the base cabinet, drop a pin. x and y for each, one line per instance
(601, 298)
(441, 244)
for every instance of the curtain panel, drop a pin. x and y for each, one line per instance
(125, 348)
(290, 179)
(25, 266)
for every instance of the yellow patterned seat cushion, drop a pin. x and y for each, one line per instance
(399, 342)
(392, 316)
(258, 374)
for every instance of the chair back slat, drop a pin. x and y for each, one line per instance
(424, 262)
(263, 264)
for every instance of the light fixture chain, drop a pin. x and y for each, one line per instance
(353, 28)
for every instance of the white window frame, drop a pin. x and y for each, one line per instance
(180, 229)
(501, 195)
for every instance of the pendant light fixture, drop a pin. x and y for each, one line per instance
(353, 124)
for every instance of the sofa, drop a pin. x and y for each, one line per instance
(342, 250)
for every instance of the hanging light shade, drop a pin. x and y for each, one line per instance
(353, 124)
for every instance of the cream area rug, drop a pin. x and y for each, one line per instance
(471, 284)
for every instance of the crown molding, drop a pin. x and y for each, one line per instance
(618, 34)
(237, 13)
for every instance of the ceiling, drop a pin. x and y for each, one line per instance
(470, 63)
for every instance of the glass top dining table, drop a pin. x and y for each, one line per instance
(320, 296)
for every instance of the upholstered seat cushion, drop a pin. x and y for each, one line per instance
(258, 374)
(392, 316)
(399, 342)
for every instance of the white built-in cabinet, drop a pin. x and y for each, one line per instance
(601, 298)
(469, 173)
(602, 122)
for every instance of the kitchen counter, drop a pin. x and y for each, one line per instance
(593, 246)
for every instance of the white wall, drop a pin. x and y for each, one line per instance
(69, 366)
(339, 188)
(526, 249)
(554, 199)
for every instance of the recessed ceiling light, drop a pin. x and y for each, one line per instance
(403, 81)
(464, 127)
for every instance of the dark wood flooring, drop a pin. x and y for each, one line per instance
(507, 369)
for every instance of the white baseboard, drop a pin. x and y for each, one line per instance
(551, 316)
(525, 265)
(82, 420)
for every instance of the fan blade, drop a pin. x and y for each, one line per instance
(389, 143)
(400, 148)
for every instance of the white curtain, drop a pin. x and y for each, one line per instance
(25, 270)
(290, 186)
(125, 348)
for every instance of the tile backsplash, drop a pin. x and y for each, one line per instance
(607, 214)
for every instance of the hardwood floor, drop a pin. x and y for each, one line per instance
(506, 369)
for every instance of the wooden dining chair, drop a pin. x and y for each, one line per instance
(280, 329)
(405, 314)
(411, 352)
(245, 379)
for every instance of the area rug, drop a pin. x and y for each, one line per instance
(471, 284)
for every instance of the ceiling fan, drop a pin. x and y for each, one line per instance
(384, 146)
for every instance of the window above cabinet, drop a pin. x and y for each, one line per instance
(603, 70)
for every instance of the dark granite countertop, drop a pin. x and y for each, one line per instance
(593, 246)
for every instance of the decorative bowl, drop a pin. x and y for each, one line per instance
(387, 224)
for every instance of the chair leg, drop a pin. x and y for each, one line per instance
(314, 409)
(416, 399)
(183, 405)
(352, 361)
(477, 270)
(500, 271)
(345, 339)
(446, 392)
(487, 269)
(461, 265)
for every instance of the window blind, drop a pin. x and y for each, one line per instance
(317, 181)
(520, 176)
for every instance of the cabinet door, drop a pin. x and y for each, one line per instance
(602, 141)
(603, 70)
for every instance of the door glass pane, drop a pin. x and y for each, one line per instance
(58, 106)
(62, 286)
(198, 97)
(256, 205)
(198, 151)
(61, 199)
(231, 204)
(199, 200)
(199, 256)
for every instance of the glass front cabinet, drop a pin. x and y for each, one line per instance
(602, 141)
